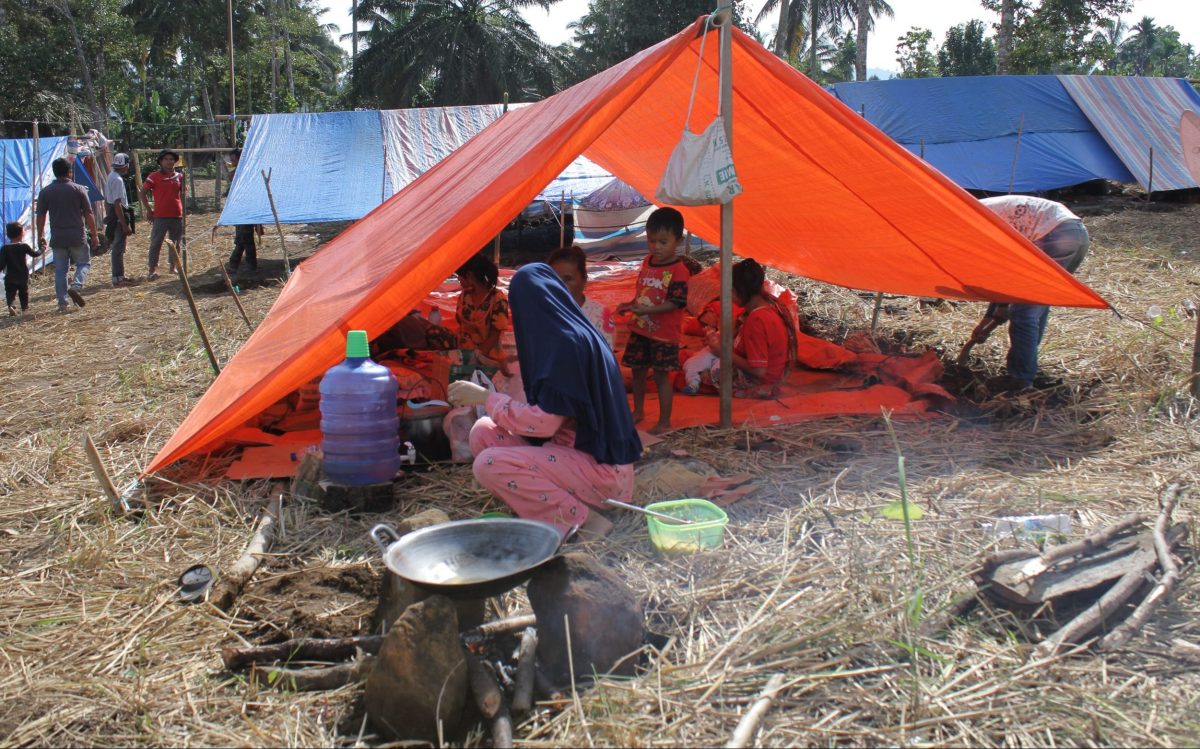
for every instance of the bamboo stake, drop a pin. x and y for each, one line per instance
(187, 292)
(110, 490)
(287, 265)
(743, 735)
(234, 294)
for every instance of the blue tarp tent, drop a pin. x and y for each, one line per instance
(1059, 130)
(21, 175)
(339, 166)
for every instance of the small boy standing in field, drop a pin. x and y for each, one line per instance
(16, 270)
(660, 297)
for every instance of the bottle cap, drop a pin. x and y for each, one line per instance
(356, 345)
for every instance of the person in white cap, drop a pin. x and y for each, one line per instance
(118, 222)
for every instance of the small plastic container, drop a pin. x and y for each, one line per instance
(707, 530)
(360, 430)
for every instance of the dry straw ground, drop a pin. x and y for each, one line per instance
(812, 582)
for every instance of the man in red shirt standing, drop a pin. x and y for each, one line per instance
(167, 189)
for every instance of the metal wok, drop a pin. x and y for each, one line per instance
(469, 558)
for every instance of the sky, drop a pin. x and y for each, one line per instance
(935, 15)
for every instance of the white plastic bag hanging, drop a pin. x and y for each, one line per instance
(700, 170)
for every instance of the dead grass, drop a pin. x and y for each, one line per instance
(812, 582)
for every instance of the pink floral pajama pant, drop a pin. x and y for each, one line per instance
(552, 483)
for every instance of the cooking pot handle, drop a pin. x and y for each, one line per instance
(384, 536)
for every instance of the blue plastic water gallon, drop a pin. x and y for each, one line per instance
(359, 426)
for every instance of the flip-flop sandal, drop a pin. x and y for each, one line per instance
(194, 583)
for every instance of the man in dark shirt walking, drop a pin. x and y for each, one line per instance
(70, 212)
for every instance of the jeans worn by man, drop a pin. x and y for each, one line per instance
(1067, 244)
(63, 257)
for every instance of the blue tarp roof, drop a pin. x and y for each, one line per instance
(19, 173)
(339, 166)
(968, 126)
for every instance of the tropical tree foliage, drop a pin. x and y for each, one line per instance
(1154, 50)
(612, 30)
(1056, 36)
(966, 51)
(913, 54)
(452, 52)
(149, 70)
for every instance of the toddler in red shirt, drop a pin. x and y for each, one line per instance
(657, 307)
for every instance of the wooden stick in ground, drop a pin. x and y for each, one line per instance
(287, 265)
(502, 729)
(1196, 361)
(522, 699)
(485, 690)
(234, 294)
(498, 627)
(301, 649)
(110, 490)
(743, 735)
(231, 583)
(1166, 584)
(187, 292)
(314, 679)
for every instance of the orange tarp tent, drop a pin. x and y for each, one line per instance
(827, 196)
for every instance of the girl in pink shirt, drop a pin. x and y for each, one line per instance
(557, 457)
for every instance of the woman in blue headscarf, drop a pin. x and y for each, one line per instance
(559, 456)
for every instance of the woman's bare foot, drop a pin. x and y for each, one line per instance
(638, 416)
(595, 527)
(661, 427)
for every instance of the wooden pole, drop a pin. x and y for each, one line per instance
(35, 178)
(1150, 179)
(187, 292)
(234, 294)
(232, 84)
(4, 187)
(562, 218)
(287, 265)
(875, 312)
(496, 242)
(724, 21)
(1013, 178)
(1196, 361)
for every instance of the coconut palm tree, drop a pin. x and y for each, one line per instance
(866, 13)
(446, 52)
(1142, 45)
